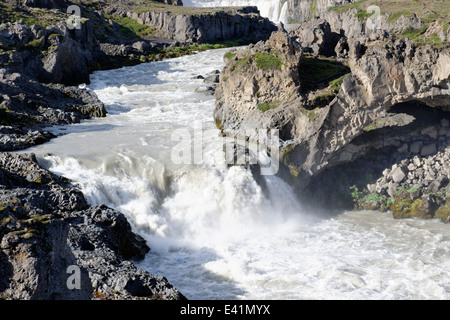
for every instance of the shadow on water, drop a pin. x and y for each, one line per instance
(185, 269)
(117, 108)
(83, 127)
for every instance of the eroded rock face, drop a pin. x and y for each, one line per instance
(303, 10)
(48, 229)
(27, 105)
(376, 111)
(264, 75)
(54, 54)
(208, 27)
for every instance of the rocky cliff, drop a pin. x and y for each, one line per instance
(207, 25)
(425, 19)
(300, 11)
(55, 246)
(343, 122)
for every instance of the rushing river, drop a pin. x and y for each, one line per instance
(213, 232)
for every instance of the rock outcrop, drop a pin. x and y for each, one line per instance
(27, 106)
(262, 76)
(208, 26)
(300, 11)
(54, 54)
(55, 246)
(387, 109)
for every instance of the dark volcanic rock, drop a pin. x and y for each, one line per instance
(48, 231)
(28, 105)
(54, 54)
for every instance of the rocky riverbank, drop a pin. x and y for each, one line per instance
(362, 113)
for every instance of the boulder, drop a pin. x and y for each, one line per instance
(398, 174)
(428, 150)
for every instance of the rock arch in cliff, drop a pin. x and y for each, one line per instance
(407, 148)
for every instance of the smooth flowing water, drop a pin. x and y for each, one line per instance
(212, 230)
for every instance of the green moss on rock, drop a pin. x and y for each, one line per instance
(269, 105)
(443, 213)
(267, 61)
(405, 207)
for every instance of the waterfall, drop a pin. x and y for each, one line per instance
(271, 9)
(212, 230)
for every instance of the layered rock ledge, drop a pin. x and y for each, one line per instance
(207, 25)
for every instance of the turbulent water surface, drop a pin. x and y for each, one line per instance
(213, 232)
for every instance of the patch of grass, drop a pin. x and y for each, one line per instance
(363, 15)
(11, 13)
(336, 84)
(229, 55)
(35, 44)
(446, 26)
(412, 33)
(267, 61)
(242, 62)
(129, 28)
(269, 105)
(430, 17)
(263, 61)
(374, 196)
(346, 7)
(396, 15)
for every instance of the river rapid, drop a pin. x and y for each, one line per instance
(213, 232)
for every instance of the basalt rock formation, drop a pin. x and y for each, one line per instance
(49, 233)
(208, 25)
(341, 128)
